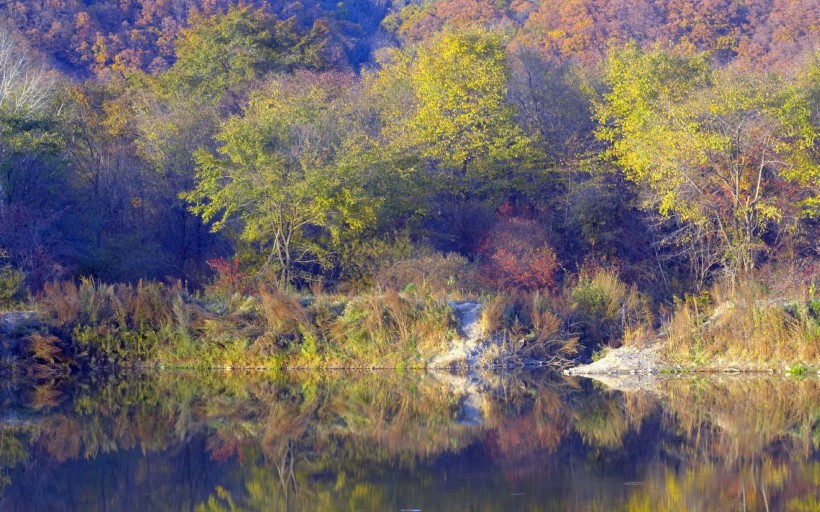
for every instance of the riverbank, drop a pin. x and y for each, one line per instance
(92, 325)
(79, 326)
(745, 327)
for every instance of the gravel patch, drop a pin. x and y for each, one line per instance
(624, 360)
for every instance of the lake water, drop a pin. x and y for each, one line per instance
(528, 441)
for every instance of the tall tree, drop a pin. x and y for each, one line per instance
(712, 149)
(282, 179)
(802, 113)
(453, 115)
(225, 52)
(31, 167)
(463, 119)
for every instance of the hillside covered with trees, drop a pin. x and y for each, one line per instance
(594, 168)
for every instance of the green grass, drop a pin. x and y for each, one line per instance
(799, 371)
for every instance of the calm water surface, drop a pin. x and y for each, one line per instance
(385, 441)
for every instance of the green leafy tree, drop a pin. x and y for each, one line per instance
(802, 114)
(463, 119)
(451, 129)
(712, 150)
(218, 59)
(284, 179)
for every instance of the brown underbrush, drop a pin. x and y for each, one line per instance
(442, 275)
(531, 325)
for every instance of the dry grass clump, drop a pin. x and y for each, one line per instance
(144, 305)
(747, 321)
(62, 300)
(531, 324)
(391, 328)
(289, 325)
(283, 312)
(376, 329)
(110, 323)
(46, 353)
(606, 310)
(441, 274)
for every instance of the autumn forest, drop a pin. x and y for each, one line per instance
(310, 182)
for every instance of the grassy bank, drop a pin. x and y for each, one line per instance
(93, 324)
(397, 324)
(752, 324)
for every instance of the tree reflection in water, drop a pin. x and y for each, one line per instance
(387, 441)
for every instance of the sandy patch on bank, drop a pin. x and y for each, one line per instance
(469, 348)
(624, 360)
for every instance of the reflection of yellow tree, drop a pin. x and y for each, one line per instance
(710, 486)
(604, 419)
(741, 446)
(12, 451)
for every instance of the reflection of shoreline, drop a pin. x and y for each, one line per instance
(634, 366)
(656, 382)
(327, 436)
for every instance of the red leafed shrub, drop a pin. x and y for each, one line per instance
(515, 254)
(229, 279)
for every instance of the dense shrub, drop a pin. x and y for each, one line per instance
(146, 305)
(229, 279)
(12, 286)
(515, 254)
(283, 312)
